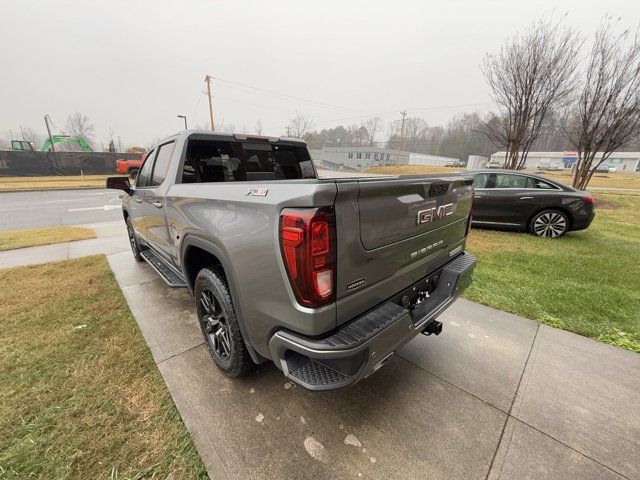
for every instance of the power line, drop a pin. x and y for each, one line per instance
(287, 96)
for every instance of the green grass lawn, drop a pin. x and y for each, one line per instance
(31, 237)
(81, 396)
(586, 282)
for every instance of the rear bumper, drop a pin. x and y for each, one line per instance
(362, 346)
(580, 222)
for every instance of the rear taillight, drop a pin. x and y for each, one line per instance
(588, 199)
(308, 244)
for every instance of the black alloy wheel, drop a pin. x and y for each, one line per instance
(214, 325)
(133, 241)
(550, 224)
(219, 324)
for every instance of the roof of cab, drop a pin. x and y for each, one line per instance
(235, 136)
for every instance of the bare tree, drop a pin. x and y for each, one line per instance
(607, 114)
(31, 136)
(532, 75)
(373, 126)
(79, 126)
(300, 126)
(110, 135)
(258, 127)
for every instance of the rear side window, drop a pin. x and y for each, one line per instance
(219, 161)
(144, 175)
(541, 184)
(512, 181)
(163, 159)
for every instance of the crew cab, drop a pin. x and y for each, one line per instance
(326, 277)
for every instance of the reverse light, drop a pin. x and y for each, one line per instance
(307, 241)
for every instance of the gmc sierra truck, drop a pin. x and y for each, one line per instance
(326, 277)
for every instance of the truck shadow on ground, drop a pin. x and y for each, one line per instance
(263, 425)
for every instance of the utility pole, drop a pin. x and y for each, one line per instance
(184, 117)
(404, 114)
(208, 79)
(46, 122)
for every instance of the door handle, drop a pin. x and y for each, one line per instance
(157, 204)
(526, 198)
(138, 200)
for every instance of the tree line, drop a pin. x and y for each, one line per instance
(550, 95)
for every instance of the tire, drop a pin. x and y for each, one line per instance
(549, 224)
(219, 324)
(133, 173)
(133, 241)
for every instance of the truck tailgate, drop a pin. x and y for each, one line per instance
(393, 231)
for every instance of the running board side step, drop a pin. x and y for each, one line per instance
(167, 273)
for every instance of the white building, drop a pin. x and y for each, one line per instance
(364, 157)
(622, 161)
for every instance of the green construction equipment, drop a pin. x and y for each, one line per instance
(84, 146)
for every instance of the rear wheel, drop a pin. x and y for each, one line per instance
(133, 240)
(219, 324)
(549, 224)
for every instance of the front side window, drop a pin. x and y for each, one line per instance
(163, 158)
(144, 175)
(480, 180)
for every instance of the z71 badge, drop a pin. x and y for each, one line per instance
(257, 192)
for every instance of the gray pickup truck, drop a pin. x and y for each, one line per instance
(326, 277)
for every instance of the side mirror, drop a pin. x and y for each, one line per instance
(119, 183)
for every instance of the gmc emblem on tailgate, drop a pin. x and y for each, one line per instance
(431, 215)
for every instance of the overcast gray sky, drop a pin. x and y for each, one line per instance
(135, 65)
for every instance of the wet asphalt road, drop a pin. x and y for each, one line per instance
(62, 207)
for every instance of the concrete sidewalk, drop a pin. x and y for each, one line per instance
(111, 238)
(495, 396)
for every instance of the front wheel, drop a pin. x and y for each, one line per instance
(133, 240)
(549, 224)
(219, 324)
